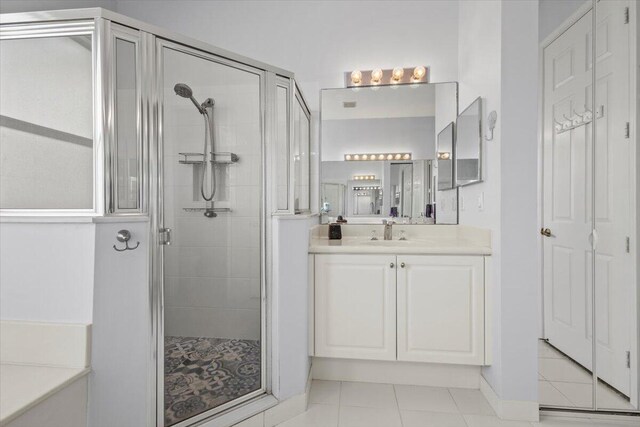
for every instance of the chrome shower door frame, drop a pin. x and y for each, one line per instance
(157, 214)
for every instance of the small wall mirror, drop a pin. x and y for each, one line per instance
(445, 158)
(378, 151)
(468, 145)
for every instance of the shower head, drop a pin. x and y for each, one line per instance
(185, 91)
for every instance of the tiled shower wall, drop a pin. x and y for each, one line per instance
(212, 267)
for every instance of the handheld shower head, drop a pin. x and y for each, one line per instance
(185, 91)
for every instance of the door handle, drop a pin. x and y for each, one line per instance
(545, 232)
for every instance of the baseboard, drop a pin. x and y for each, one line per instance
(406, 373)
(517, 410)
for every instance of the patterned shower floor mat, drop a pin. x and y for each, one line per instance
(203, 373)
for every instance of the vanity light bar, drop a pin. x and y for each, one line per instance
(378, 76)
(363, 177)
(377, 156)
(372, 187)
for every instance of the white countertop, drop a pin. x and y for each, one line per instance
(420, 240)
(24, 386)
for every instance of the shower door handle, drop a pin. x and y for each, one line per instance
(165, 236)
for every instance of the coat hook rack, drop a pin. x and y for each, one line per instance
(124, 236)
(577, 119)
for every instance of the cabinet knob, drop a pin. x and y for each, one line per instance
(402, 265)
(545, 232)
(392, 265)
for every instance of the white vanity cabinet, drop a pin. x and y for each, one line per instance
(441, 309)
(355, 306)
(418, 308)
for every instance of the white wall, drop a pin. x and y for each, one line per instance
(498, 60)
(553, 13)
(290, 244)
(318, 40)
(121, 331)
(46, 271)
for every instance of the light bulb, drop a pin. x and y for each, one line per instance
(376, 76)
(356, 157)
(389, 156)
(380, 156)
(347, 157)
(397, 75)
(407, 156)
(356, 77)
(419, 72)
(365, 157)
(398, 156)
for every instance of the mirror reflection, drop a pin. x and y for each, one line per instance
(468, 144)
(379, 149)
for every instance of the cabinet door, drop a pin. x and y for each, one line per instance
(441, 309)
(355, 306)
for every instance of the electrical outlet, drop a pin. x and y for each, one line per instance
(481, 202)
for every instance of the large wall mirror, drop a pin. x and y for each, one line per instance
(378, 151)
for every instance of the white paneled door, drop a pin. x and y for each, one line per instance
(614, 168)
(569, 194)
(441, 309)
(355, 303)
(567, 181)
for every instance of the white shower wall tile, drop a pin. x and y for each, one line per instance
(212, 322)
(212, 268)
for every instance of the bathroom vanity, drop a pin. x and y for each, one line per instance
(422, 299)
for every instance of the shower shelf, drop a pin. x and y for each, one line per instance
(206, 209)
(222, 157)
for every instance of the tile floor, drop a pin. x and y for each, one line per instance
(562, 382)
(350, 404)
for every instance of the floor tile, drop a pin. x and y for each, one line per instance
(431, 419)
(555, 421)
(563, 370)
(492, 421)
(609, 399)
(255, 421)
(417, 398)
(471, 402)
(549, 395)
(316, 416)
(351, 416)
(325, 392)
(579, 394)
(368, 395)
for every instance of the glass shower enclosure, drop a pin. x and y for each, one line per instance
(202, 143)
(213, 329)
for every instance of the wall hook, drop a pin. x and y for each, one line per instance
(492, 118)
(124, 236)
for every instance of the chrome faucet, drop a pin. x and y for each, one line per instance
(388, 229)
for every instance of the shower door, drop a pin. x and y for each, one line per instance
(213, 339)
